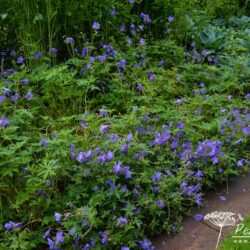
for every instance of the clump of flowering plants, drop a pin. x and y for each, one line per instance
(117, 143)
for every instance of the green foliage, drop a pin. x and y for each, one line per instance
(41, 25)
(188, 114)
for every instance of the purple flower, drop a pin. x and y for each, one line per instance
(29, 96)
(214, 160)
(178, 79)
(38, 55)
(155, 189)
(122, 221)
(15, 97)
(4, 122)
(247, 96)
(96, 26)
(20, 59)
(51, 244)
(59, 238)
(86, 247)
(124, 148)
(135, 193)
(130, 136)
(114, 137)
(43, 142)
(174, 144)
(198, 199)
(180, 125)
(84, 52)
(84, 124)
(105, 157)
(58, 217)
(142, 41)
(2, 98)
(7, 72)
(156, 177)
(124, 188)
(53, 52)
(85, 223)
(204, 53)
(113, 12)
(104, 128)
(141, 27)
(46, 234)
(169, 173)
(179, 101)
(246, 130)
(107, 47)
(111, 184)
(190, 172)
(104, 238)
(118, 168)
(146, 18)
(141, 154)
(209, 148)
(240, 163)
(193, 44)
(219, 170)
(199, 174)
(223, 197)
(103, 112)
(198, 217)
(126, 172)
(130, 41)
(198, 111)
(170, 19)
(123, 28)
(132, 30)
(48, 182)
(139, 87)
(161, 139)
(69, 40)
(145, 244)
(122, 63)
(145, 118)
(92, 59)
(92, 242)
(215, 60)
(196, 92)
(102, 58)
(160, 63)
(160, 204)
(131, 1)
(125, 248)
(151, 76)
(25, 81)
(84, 157)
(9, 226)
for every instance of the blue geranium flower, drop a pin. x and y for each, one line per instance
(96, 26)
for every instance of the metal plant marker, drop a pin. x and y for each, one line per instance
(223, 219)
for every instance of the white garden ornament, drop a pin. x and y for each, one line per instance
(223, 219)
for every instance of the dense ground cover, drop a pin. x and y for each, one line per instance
(121, 140)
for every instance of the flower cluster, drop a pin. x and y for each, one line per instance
(4, 122)
(9, 226)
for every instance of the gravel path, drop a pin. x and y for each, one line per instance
(203, 235)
